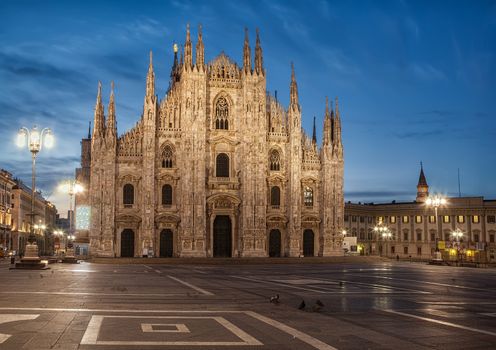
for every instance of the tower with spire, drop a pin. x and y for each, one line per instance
(422, 186)
(216, 166)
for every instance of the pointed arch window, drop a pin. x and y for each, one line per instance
(167, 194)
(275, 196)
(274, 160)
(222, 114)
(222, 165)
(128, 195)
(167, 157)
(308, 196)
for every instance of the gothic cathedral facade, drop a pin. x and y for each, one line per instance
(217, 168)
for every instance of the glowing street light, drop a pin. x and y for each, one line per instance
(71, 187)
(435, 202)
(35, 140)
(385, 233)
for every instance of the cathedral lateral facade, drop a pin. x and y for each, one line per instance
(217, 168)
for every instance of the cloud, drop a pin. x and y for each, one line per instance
(23, 67)
(423, 134)
(425, 71)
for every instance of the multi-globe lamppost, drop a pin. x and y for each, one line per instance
(435, 202)
(457, 235)
(35, 141)
(385, 233)
(71, 187)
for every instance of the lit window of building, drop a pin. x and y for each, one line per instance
(405, 219)
(446, 219)
(475, 219)
(418, 219)
(460, 219)
(392, 219)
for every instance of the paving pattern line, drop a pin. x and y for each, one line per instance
(90, 336)
(97, 294)
(444, 323)
(13, 318)
(375, 285)
(432, 283)
(476, 302)
(121, 310)
(94, 329)
(317, 344)
(279, 284)
(198, 289)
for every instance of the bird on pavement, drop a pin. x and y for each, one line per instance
(341, 283)
(274, 299)
(318, 305)
(302, 305)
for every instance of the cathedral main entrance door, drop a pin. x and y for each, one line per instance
(127, 243)
(166, 244)
(222, 236)
(308, 243)
(275, 243)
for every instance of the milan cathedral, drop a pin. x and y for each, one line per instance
(217, 168)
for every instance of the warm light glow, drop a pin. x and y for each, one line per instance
(49, 139)
(21, 138)
(78, 188)
(175, 48)
(344, 232)
(436, 201)
(34, 139)
(70, 187)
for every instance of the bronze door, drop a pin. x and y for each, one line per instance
(308, 243)
(127, 243)
(166, 244)
(275, 244)
(222, 236)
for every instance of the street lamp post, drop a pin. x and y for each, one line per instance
(457, 235)
(436, 202)
(385, 233)
(40, 227)
(60, 235)
(35, 140)
(71, 187)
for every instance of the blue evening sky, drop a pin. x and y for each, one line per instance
(416, 80)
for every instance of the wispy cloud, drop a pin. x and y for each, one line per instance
(425, 71)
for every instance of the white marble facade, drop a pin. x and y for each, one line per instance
(218, 167)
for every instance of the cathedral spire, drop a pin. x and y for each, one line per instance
(111, 129)
(246, 53)
(336, 138)
(89, 130)
(200, 51)
(174, 74)
(188, 54)
(258, 56)
(326, 137)
(150, 78)
(293, 94)
(99, 121)
(314, 134)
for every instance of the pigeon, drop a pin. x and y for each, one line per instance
(274, 299)
(341, 283)
(302, 305)
(318, 305)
